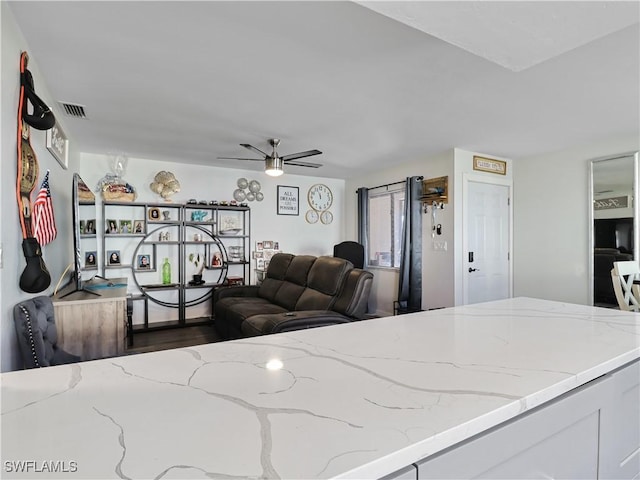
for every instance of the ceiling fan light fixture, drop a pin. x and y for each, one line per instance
(273, 166)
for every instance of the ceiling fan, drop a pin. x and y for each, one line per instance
(273, 162)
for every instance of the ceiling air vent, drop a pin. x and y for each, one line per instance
(73, 110)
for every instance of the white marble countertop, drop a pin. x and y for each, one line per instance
(357, 400)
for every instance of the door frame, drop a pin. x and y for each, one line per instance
(466, 179)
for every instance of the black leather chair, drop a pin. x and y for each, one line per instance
(37, 334)
(352, 251)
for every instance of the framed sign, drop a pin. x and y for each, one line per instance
(288, 200)
(58, 145)
(489, 165)
(611, 202)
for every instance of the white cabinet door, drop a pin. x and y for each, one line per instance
(558, 440)
(620, 426)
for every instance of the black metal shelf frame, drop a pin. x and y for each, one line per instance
(188, 294)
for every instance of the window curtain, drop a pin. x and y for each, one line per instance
(363, 221)
(410, 282)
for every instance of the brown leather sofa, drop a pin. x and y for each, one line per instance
(298, 291)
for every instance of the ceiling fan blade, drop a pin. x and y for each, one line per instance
(304, 164)
(251, 147)
(293, 156)
(236, 158)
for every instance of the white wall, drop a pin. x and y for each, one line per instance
(58, 253)
(293, 233)
(437, 267)
(551, 216)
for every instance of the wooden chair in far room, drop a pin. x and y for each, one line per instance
(37, 334)
(623, 275)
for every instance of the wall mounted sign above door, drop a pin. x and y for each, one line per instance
(489, 165)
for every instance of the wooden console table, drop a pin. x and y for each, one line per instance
(93, 326)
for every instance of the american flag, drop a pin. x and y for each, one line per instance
(44, 224)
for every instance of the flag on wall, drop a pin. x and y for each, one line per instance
(44, 224)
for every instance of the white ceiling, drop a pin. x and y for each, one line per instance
(190, 81)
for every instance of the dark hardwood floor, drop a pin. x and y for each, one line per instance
(173, 338)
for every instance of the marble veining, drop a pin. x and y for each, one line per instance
(358, 400)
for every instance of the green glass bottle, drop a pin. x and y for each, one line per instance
(166, 272)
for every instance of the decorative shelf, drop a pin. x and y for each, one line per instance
(435, 190)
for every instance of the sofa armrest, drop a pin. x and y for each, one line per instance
(286, 322)
(354, 297)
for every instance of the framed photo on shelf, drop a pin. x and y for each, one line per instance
(113, 257)
(138, 226)
(90, 227)
(154, 213)
(90, 260)
(259, 246)
(216, 259)
(288, 200)
(143, 262)
(125, 226)
(267, 244)
(260, 263)
(112, 226)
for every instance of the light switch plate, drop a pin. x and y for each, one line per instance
(440, 245)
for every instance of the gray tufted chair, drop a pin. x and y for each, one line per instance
(37, 334)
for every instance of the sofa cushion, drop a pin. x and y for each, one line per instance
(275, 275)
(237, 309)
(323, 283)
(295, 281)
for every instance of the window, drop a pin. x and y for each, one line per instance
(386, 218)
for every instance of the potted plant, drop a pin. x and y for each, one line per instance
(198, 261)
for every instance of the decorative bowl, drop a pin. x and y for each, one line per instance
(230, 231)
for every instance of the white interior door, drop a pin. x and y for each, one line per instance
(486, 263)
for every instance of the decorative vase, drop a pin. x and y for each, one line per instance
(166, 272)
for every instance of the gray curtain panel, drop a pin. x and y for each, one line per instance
(410, 282)
(363, 221)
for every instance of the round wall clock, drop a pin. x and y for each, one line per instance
(312, 216)
(320, 197)
(326, 217)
